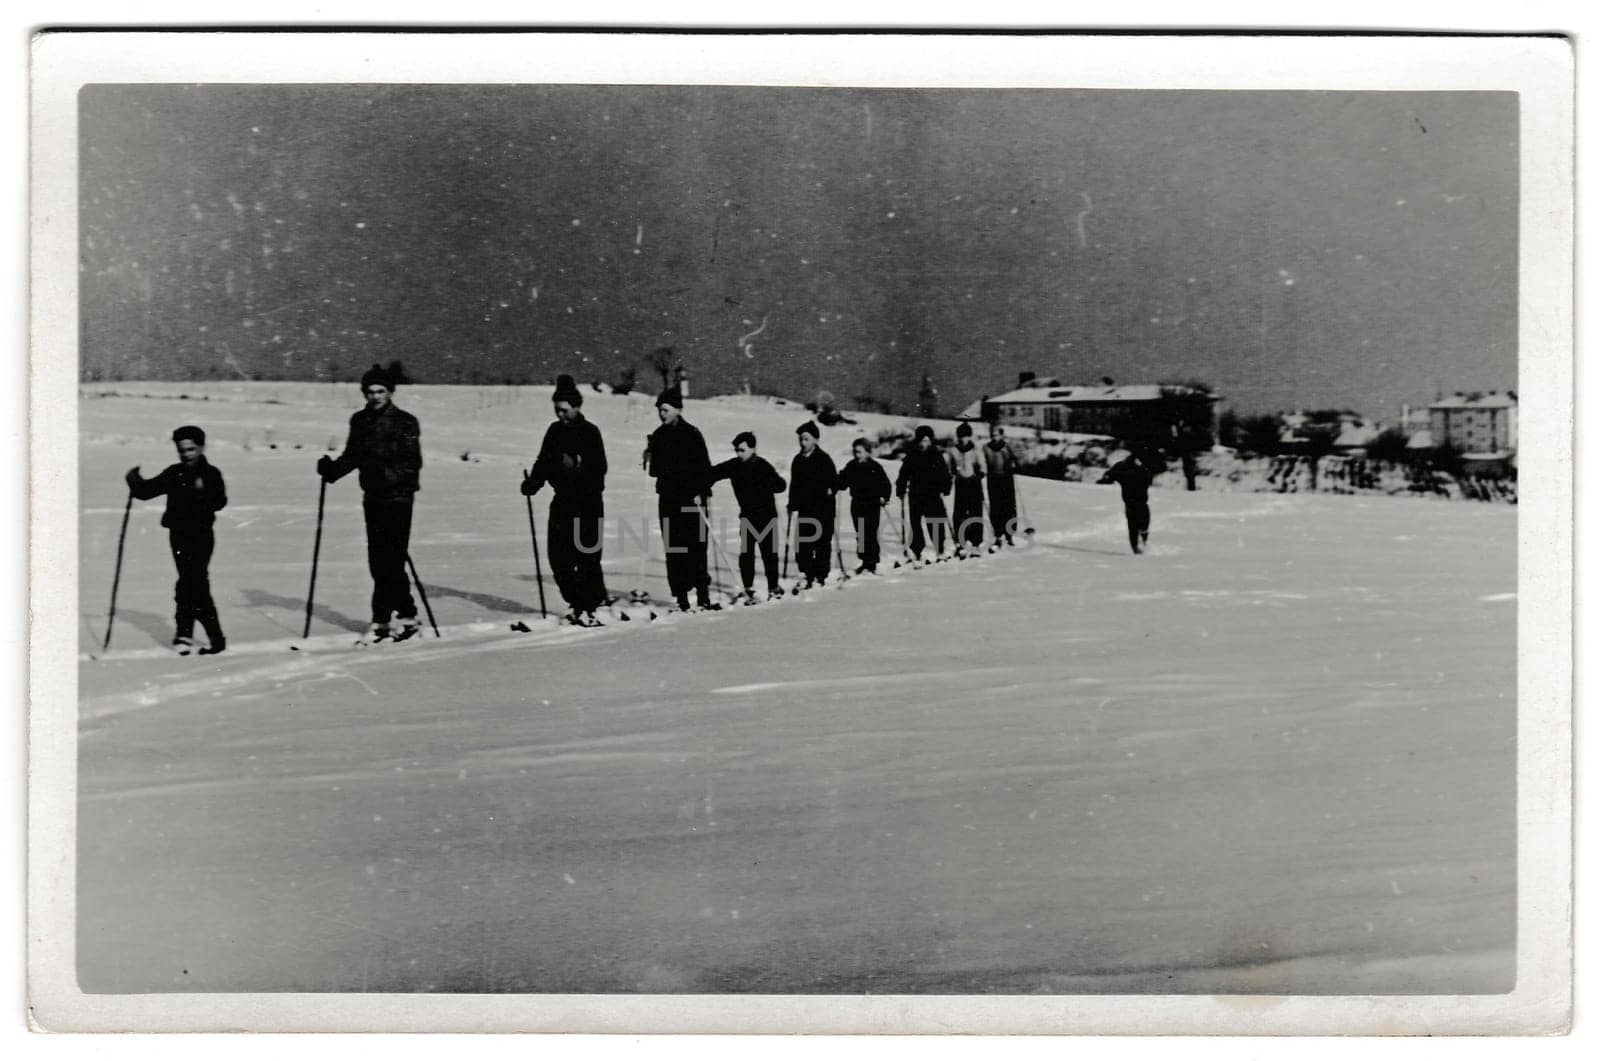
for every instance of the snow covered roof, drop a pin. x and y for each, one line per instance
(1131, 392)
(1491, 400)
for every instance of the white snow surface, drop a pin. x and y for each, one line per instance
(1274, 754)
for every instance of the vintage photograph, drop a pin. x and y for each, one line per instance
(740, 539)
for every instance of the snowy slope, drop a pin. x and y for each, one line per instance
(1275, 754)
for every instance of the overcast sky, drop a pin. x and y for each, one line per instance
(1290, 249)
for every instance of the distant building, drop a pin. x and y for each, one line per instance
(1351, 432)
(1478, 424)
(1155, 412)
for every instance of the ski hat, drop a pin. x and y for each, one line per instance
(378, 376)
(862, 443)
(808, 428)
(924, 431)
(671, 396)
(964, 430)
(190, 432)
(746, 437)
(567, 391)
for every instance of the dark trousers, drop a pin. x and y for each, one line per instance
(969, 512)
(758, 532)
(683, 537)
(813, 542)
(191, 554)
(1003, 506)
(1138, 513)
(388, 545)
(928, 518)
(865, 517)
(575, 539)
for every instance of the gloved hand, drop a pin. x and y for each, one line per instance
(133, 476)
(529, 486)
(325, 467)
(570, 462)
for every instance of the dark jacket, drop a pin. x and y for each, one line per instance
(1133, 477)
(572, 460)
(386, 448)
(812, 481)
(194, 494)
(867, 482)
(679, 462)
(754, 483)
(998, 459)
(924, 474)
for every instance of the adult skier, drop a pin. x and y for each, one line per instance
(1000, 467)
(195, 494)
(1133, 474)
(755, 486)
(813, 482)
(385, 448)
(869, 489)
(966, 469)
(572, 460)
(677, 459)
(923, 481)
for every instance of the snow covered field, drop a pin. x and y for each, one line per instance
(1276, 754)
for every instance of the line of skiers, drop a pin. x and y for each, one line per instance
(384, 448)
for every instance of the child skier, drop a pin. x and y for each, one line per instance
(755, 486)
(1133, 474)
(572, 460)
(1001, 467)
(923, 481)
(677, 459)
(195, 494)
(813, 481)
(385, 447)
(966, 469)
(869, 492)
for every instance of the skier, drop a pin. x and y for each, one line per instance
(572, 460)
(1133, 474)
(385, 447)
(813, 482)
(966, 469)
(677, 459)
(869, 492)
(1000, 464)
(195, 494)
(923, 481)
(755, 486)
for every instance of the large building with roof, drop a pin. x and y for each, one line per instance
(1478, 424)
(1153, 412)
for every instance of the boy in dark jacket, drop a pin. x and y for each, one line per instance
(966, 470)
(923, 481)
(869, 492)
(572, 460)
(385, 448)
(195, 494)
(1133, 474)
(1000, 464)
(755, 486)
(677, 459)
(813, 480)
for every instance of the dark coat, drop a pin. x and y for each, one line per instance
(867, 482)
(999, 460)
(924, 475)
(572, 460)
(195, 494)
(679, 462)
(386, 447)
(755, 481)
(1134, 478)
(812, 482)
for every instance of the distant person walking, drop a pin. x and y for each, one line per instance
(966, 471)
(923, 481)
(385, 448)
(1000, 467)
(572, 460)
(813, 485)
(195, 494)
(756, 484)
(1133, 474)
(677, 459)
(869, 489)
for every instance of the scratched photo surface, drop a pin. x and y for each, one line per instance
(1272, 753)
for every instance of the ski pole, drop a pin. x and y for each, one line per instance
(711, 536)
(1027, 523)
(905, 547)
(788, 539)
(838, 546)
(316, 553)
(538, 569)
(116, 578)
(423, 593)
